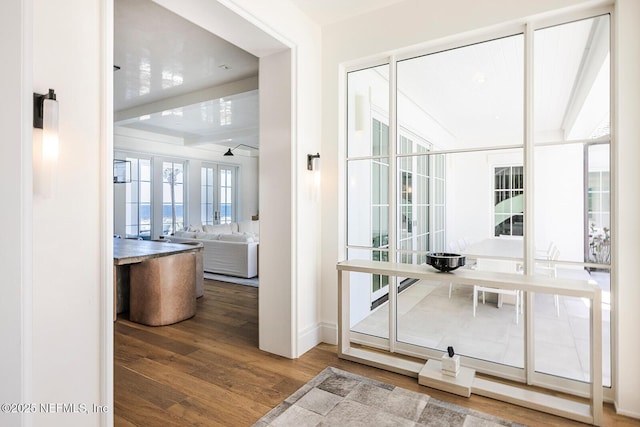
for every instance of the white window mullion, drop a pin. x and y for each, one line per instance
(393, 202)
(528, 232)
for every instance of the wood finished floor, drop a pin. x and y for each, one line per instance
(208, 370)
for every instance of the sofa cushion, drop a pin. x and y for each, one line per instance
(185, 234)
(218, 229)
(236, 238)
(207, 236)
(194, 228)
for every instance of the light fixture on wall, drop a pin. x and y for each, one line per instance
(45, 117)
(359, 116)
(230, 150)
(313, 162)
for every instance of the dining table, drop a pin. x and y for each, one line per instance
(496, 247)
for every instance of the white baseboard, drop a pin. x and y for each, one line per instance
(626, 413)
(308, 338)
(329, 333)
(315, 334)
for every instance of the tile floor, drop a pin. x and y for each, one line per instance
(429, 318)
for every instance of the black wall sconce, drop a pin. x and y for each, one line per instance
(229, 151)
(313, 161)
(45, 117)
(42, 104)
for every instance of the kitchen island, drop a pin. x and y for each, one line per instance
(130, 251)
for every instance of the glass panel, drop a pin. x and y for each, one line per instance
(467, 97)
(131, 214)
(172, 197)
(145, 170)
(132, 192)
(477, 216)
(571, 102)
(599, 204)
(438, 314)
(367, 203)
(368, 92)
(562, 331)
(145, 192)
(206, 197)
(433, 313)
(226, 196)
(561, 202)
(571, 81)
(138, 199)
(369, 315)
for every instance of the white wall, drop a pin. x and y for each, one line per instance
(288, 24)
(67, 234)
(15, 193)
(416, 22)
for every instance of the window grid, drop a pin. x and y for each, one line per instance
(508, 200)
(226, 196)
(207, 203)
(172, 197)
(138, 199)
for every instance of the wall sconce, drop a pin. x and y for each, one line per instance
(359, 116)
(229, 151)
(45, 117)
(313, 162)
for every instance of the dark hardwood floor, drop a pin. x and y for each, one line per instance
(208, 370)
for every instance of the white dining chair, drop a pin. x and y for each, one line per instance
(498, 266)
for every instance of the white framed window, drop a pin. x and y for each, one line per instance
(138, 218)
(218, 195)
(207, 196)
(508, 200)
(227, 194)
(474, 104)
(173, 196)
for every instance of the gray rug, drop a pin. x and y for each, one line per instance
(231, 279)
(339, 398)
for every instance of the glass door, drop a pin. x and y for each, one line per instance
(218, 194)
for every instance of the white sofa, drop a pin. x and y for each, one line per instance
(230, 249)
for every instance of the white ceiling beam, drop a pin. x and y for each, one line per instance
(224, 137)
(595, 53)
(229, 22)
(215, 92)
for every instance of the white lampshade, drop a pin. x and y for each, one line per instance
(50, 131)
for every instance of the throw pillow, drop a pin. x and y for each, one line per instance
(218, 229)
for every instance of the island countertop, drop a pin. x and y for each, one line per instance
(129, 251)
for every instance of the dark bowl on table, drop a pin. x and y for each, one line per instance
(444, 261)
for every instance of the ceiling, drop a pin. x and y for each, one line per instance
(178, 79)
(167, 64)
(328, 11)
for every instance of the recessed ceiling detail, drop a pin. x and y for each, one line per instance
(162, 56)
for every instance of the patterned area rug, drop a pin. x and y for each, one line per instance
(339, 398)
